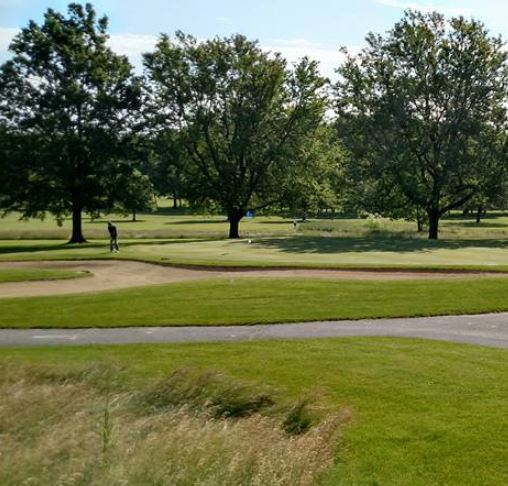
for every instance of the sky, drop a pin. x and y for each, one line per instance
(316, 28)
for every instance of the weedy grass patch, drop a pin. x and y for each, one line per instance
(83, 428)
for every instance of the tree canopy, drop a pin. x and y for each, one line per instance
(240, 113)
(67, 99)
(422, 112)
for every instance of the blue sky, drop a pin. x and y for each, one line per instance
(294, 27)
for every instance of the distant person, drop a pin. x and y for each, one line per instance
(295, 223)
(113, 238)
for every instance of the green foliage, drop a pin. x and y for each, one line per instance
(134, 192)
(314, 180)
(422, 113)
(67, 99)
(241, 117)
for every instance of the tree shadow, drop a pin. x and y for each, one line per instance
(348, 245)
(474, 224)
(200, 221)
(62, 247)
(117, 221)
(472, 217)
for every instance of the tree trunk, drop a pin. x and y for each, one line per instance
(77, 227)
(419, 221)
(234, 218)
(175, 201)
(434, 216)
(133, 215)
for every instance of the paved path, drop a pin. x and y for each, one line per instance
(489, 329)
(118, 274)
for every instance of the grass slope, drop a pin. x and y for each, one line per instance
(27, 275)
(250, 301)
(422, 412)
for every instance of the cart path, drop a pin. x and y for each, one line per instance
(118, 274)
(488, 330)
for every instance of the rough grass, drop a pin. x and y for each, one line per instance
(28, 275)
(262, 300)
(168, 223)
(423, 413)
(78, 428)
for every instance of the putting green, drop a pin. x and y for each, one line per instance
(283, 251)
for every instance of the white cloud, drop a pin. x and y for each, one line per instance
(426, 7)
(6, 35)
(134, 45)
(328, 56)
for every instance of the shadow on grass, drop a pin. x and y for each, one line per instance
(344, 245)
(198, 221)
(19, 248)
(474, 224)
(104, 222)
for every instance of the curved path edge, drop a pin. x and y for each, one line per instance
(485, 329)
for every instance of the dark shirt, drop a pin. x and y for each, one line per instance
(112, 231)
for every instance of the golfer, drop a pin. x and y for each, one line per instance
(113, 238)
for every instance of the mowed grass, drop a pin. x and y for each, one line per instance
(27, 275)
(161, 224)
(252, 301)
(183, 223)
(295, 251)
(421, 412)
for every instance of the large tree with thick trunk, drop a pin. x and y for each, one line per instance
(67, 99)
(422, 112)
(240, 113)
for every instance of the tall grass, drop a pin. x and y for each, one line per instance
(80, 429)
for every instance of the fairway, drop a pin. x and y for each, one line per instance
(412, 403)
(251, 301)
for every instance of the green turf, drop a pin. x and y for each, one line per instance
(28, 274)
(296, 251)
(162, 224)
(249, 301)
(169, 223)
(423, 413)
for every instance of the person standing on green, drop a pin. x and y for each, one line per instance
(113, 238)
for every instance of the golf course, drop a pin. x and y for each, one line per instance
(253, 243)
(372, 414)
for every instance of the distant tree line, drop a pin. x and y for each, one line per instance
(416, 125)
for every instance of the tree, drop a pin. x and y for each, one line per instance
(134, 192)
(313, 181)
(424, 107)
(70, 99)
(240, 114)
(164, 162)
